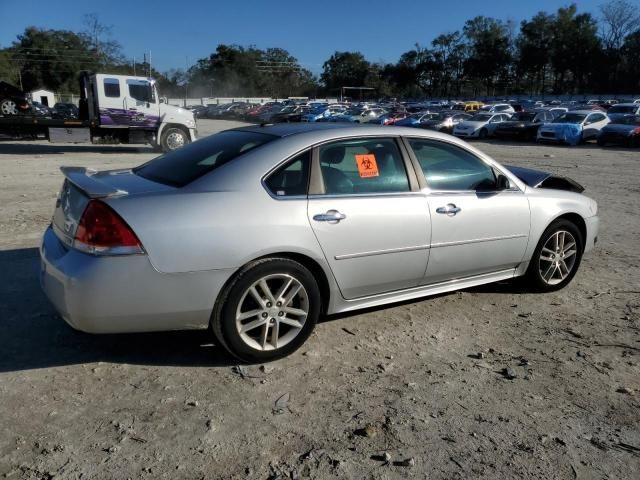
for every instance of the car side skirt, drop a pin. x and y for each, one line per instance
(339, 305)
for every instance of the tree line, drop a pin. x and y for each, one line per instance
(564, 52)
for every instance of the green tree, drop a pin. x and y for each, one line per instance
(344, 69)
(489, 51)
(533, 46)
(575, 50)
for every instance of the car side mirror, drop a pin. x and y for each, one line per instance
(162, 100)
(502, 182)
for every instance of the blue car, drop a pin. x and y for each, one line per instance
(415, 119)
(322, 113)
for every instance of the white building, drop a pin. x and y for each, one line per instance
(43, 96)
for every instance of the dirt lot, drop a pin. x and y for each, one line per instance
(414, 390)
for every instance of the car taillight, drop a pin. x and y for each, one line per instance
(636, 131)
(102, 231)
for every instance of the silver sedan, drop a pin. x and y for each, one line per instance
(256, 232)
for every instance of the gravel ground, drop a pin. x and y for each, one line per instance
(413, 390)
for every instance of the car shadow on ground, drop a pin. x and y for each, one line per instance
(33, 336)
(9, 147)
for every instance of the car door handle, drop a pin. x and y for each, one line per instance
(450, 209)
(329, 216)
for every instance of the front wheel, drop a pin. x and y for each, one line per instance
(484, 133)
(8, 107)
(173, 138)
(556, 258)
(268, 311)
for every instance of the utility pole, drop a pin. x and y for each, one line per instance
(134, 65)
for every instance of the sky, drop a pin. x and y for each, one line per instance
(179, 33)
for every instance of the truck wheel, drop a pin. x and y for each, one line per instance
(8, 107)
(173, 138)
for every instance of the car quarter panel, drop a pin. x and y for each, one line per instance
(217, 230)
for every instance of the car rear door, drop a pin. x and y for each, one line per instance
(475, 227)
(368, 215)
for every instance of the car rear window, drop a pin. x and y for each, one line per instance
(183, 166)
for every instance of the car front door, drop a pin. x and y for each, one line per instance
(368, 215)
(142, 105)
(593, 124)
(476, 227)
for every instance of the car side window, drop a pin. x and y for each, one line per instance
(292, 179)
(451, 168)
(366, 165)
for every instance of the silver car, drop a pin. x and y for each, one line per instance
(256, 232)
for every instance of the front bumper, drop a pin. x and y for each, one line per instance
(120, 294)
(593, 225)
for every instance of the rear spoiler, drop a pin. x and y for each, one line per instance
(84, 179)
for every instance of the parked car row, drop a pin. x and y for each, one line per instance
(569, 122)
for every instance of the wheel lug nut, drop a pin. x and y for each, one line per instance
(279, 304)
(264, 315)
(280, 314)
(269, 304)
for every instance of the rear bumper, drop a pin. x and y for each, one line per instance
(124, 294)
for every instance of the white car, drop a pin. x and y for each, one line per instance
(497, 108)
(589, 124)
(481, 125)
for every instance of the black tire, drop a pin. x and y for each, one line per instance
(601, 142)
(534, 276)
(170, 139)
(483, 134)
(223, 320)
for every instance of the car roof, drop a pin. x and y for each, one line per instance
(283, 130)
(628, 104)
(585, 112)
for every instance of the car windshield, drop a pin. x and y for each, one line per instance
(481, 117)
(523, 117)
(570, 118)
(623, 109)
(183, 166)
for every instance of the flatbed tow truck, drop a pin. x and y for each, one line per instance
(113, 109)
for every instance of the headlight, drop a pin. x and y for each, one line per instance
(191, 123)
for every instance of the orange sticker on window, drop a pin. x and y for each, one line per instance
(367, 166)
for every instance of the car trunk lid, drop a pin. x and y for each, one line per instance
(83, 184)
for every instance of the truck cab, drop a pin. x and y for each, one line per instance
(128, 109)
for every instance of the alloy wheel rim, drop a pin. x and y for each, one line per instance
(272, 312)
(175, 140)
(557, 257)
(9, 107)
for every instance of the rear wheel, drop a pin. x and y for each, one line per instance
(601, 142)
(173, 138)
(557, 257)
(268, 311)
